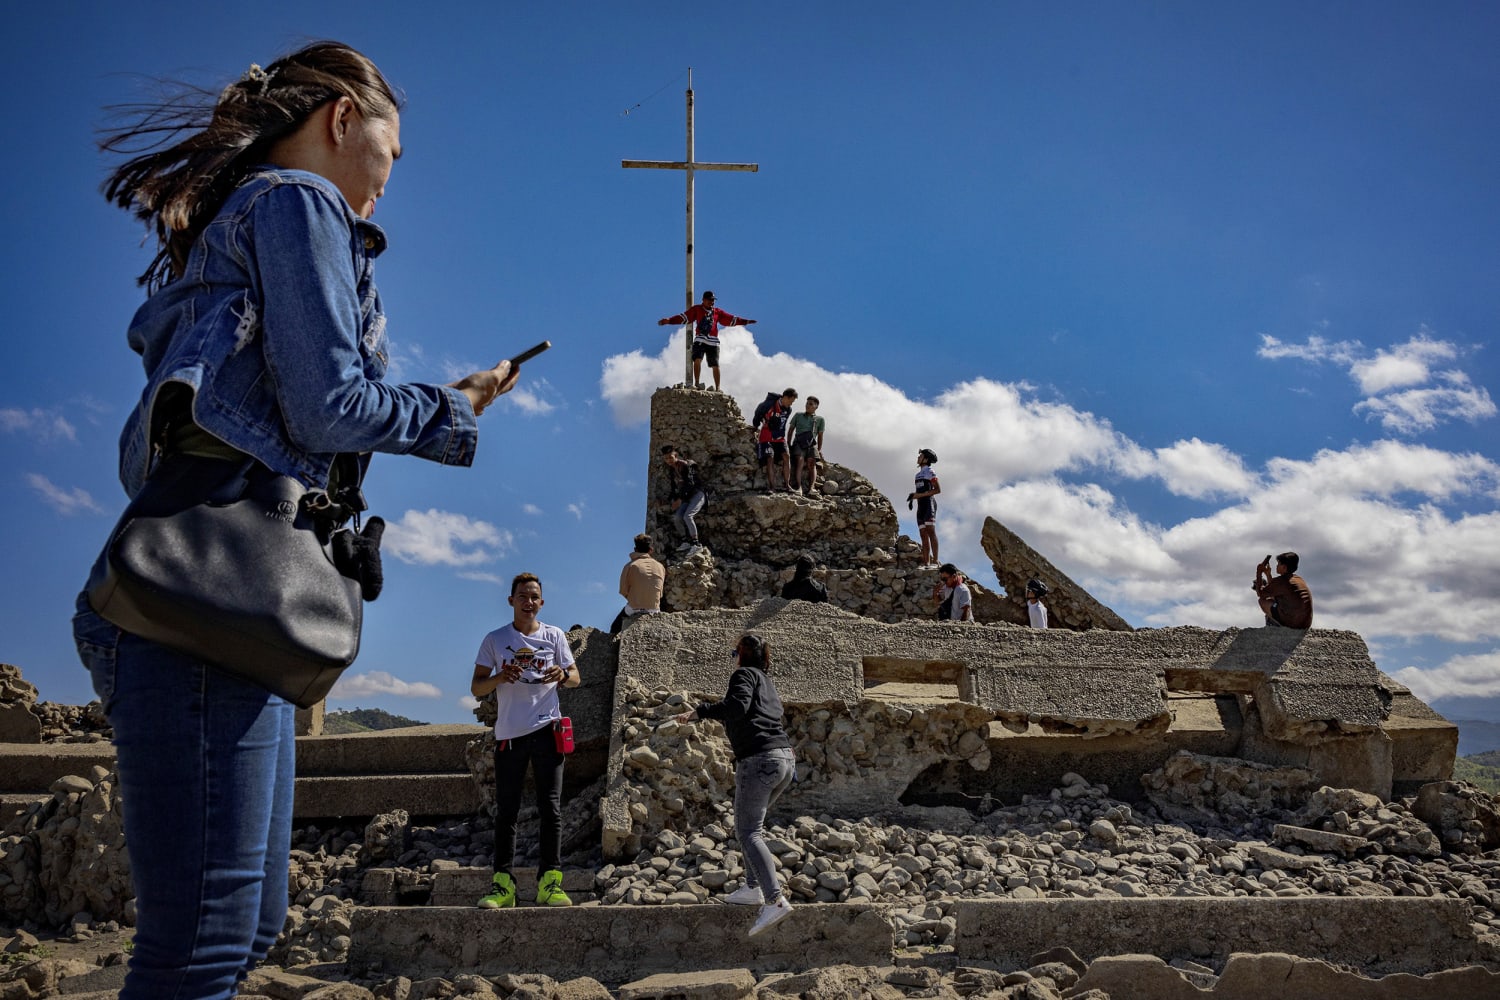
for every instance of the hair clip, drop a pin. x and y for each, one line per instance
(257, 76)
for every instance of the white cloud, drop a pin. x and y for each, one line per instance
(1408, 367)
(531, 508)
(1405, 364)
(576, 509)
(1398, 540)
(484, 578)
(66, 502)
(529, 399)
(1342, 352)
(1199, 469)
(1423, 409)
(1476, 675)
(378, 682)
(468, 702)
(436, 537)
(41, 424)
(1008, 431)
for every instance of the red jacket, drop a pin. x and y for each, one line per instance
(706, 322)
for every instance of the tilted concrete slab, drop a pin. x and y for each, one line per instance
(613, 944)
(1068, 604)
(1380, 934)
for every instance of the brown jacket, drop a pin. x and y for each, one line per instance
(642, 581)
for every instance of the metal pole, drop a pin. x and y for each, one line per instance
(687, 377)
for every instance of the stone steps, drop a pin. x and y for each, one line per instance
(420, 769)
(621, 943)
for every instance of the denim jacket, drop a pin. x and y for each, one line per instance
(276, 327)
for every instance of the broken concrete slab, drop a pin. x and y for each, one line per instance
(1068, 604)
(614, 943)
(1378, 934)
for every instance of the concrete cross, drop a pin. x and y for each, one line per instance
(690, 166)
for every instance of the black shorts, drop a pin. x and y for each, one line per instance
(771, 449)
(807, 454)
(711, 351)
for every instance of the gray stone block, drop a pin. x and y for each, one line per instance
(1378, 934)
(614, 943)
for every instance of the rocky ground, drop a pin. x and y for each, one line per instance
(1212, 827)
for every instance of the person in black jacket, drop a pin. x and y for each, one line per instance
(764, 768)
(802, 587)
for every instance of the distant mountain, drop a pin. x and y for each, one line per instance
(1475, 736)
(1467, 707)
(365, 720)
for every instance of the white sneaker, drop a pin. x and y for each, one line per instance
(745, 895)
(773, 913)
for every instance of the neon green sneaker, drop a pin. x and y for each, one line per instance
(549, 890)
(504, 894)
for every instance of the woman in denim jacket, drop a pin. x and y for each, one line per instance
(262, 335)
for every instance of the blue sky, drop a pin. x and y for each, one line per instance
(1166, 287)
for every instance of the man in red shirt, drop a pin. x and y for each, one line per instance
(706, 320)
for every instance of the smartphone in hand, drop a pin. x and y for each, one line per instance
(528, 354)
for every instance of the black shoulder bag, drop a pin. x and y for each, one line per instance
(245, 569)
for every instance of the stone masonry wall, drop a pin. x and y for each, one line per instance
(754, 537)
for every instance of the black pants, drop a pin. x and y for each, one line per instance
(539, 749)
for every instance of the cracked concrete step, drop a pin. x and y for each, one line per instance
(1376, 933)
(620, 943)
(420, 769)
(463, 887)
(612, 943)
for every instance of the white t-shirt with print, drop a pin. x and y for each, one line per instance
(528, 704)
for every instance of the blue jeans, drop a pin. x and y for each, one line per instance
(206, 766)
(686, 511)
(759, 781)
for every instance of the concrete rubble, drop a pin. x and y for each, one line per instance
(981, 810)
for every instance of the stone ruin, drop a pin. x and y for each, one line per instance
(943, 770)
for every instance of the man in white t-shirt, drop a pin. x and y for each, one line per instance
(523, 663)
(1036, 611)
(961, 607)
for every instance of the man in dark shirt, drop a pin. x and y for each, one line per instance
(802, 587)
(1284, 598)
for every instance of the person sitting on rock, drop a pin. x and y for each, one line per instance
(642, 581)
(1284, 598)
(805, 435)
(768, 427)
(523, 663)
(686, 496)
(955, 603)
(1035, 609)
(802, 586)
